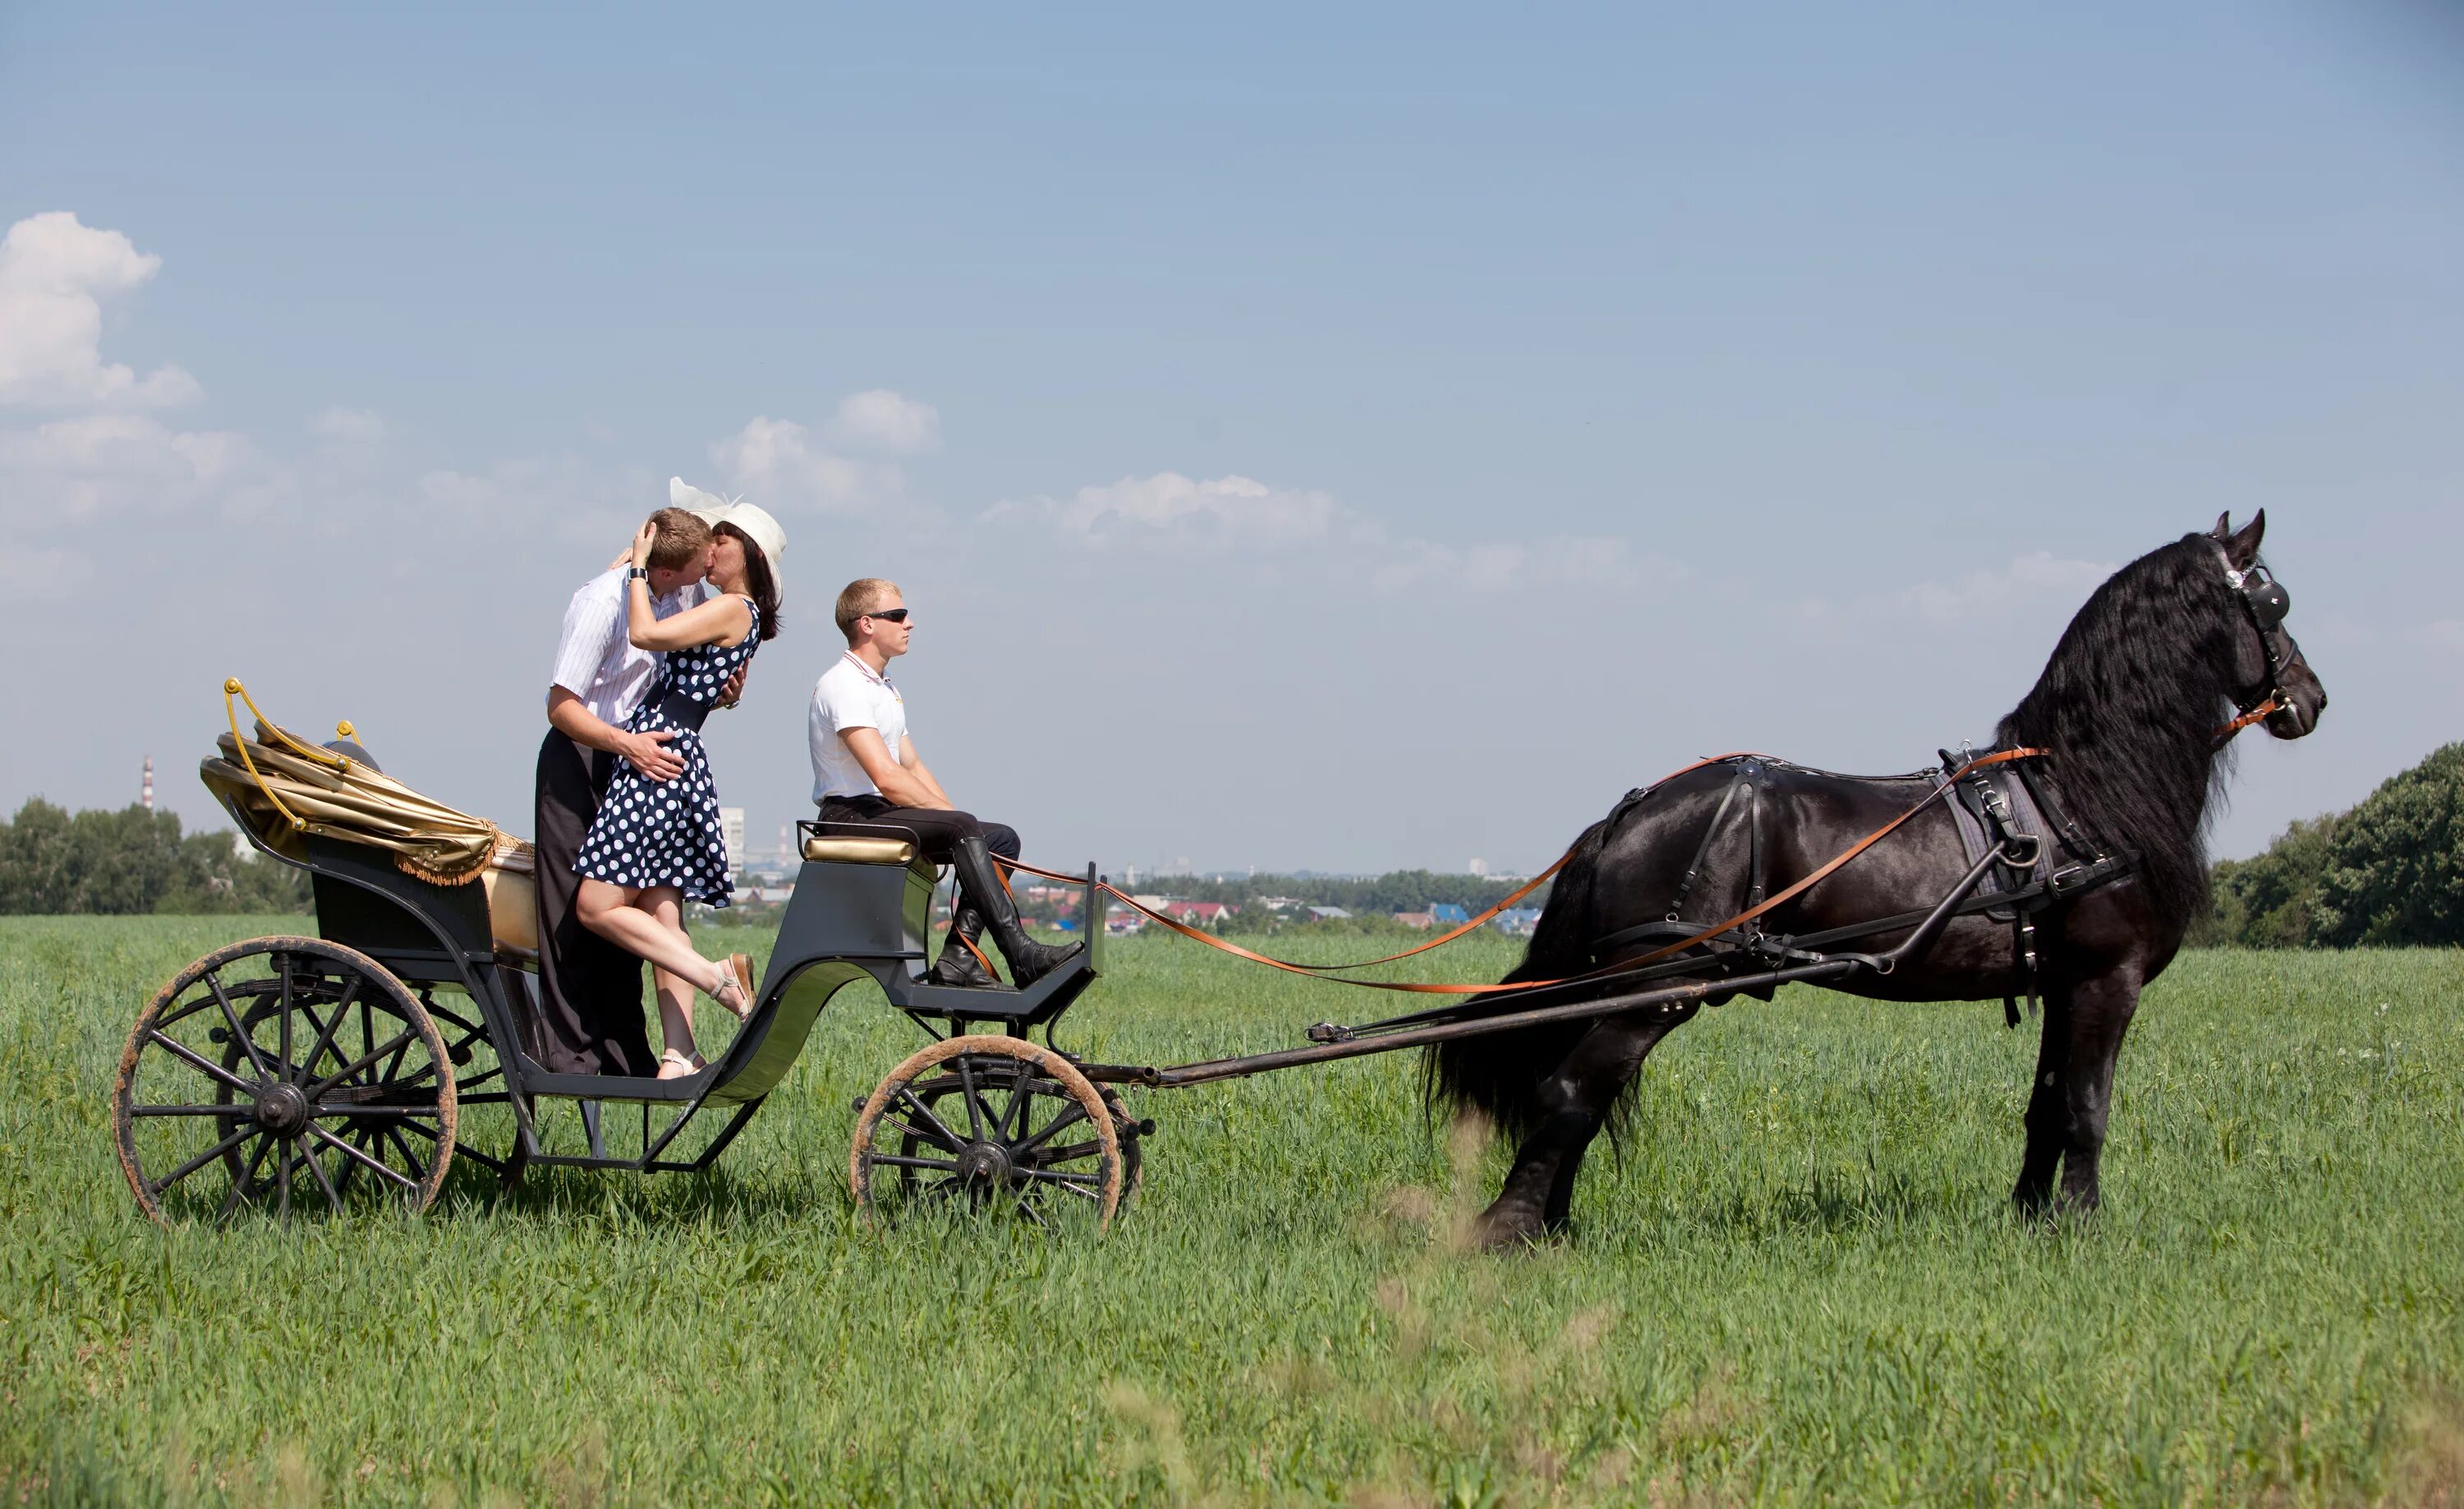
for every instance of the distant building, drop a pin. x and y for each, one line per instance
(730, 823)
(1419, 919)
(1329, 914)
(1197, 914)
(1516, 922)
(1477, 867)
(1277, 903)
(1446, 913)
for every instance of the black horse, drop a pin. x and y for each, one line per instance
(2132, 713)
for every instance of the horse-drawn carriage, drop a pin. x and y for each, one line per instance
(372, 1057)
(363, 1062)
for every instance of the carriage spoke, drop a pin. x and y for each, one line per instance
(325, 1032)
(901, 1161)
(282, 962)
(239, 1033)
(1027, 1209)
(924, 1112)
(332, 1197)
(915, 1134)
(227, 1108)
(204, 1158)
(419, 1169)
(358, 1156)
(975, 1110)
(1022, 1104)
(282, 1181)
(1070, 1114)
(318, 1089)
(246, 1182)
(1070, 1154)
(1055, 1176)
(200, 1063)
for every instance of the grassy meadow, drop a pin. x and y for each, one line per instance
(1799, 1281)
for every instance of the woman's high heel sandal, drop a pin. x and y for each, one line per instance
(735, 978)
(684, 1063)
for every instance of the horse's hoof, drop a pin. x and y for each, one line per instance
(1500, 1229)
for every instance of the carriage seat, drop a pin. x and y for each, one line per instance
(512, 883)
(832, 849)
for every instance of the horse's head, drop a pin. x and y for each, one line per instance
(2268, 666)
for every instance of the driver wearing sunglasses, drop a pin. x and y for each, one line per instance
(866, 770)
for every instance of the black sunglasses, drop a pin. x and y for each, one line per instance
(894, 615)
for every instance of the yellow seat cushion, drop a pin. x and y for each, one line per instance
(828, 849)
(512, 883)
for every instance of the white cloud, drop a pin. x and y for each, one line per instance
(1169, 505)
(1501, 566)
(97, 465)
(348, 426)
(43, 575)
(1983, 593)
(878, 419)
(54, 274)
(776, 462)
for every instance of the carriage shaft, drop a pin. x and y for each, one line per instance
(1214, 1068)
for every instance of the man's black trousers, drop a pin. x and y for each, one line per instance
(590, 989)
(935, 828)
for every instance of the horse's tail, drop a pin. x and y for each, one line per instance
(1500, 1074)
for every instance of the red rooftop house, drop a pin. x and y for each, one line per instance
(1197, 914)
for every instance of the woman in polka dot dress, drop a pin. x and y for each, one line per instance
(658, 844)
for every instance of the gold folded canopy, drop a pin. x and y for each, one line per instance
(284, 788)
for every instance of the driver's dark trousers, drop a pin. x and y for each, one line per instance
(935, 830)
(590, 1018)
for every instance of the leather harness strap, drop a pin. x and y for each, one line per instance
(1318, 971)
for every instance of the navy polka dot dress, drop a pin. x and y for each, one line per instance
(667, 832)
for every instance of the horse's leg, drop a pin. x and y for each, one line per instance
(2101, 1012)
(1574, 1101)
(2045, 1118)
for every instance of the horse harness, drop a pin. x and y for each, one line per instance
(2005, 805)
(2264, 604)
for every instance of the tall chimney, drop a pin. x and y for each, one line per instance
(145, 793)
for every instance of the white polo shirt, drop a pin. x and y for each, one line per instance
(595, 659)
(850, 694)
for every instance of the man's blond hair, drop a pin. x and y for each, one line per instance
(683, 536)
(860, 597)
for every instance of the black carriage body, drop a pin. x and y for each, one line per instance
(848, 919)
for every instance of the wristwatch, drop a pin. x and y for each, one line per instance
(633, 572)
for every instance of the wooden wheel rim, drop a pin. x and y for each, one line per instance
(377, 985)
(1041, 1061)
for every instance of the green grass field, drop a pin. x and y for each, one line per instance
(1800, 1282)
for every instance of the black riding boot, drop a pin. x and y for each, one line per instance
(980, 883)
(960, 965)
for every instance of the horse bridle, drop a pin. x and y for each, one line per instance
(2264, 603)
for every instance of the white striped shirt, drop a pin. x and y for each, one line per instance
(595, 659)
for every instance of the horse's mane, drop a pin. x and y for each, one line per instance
(2129, 704)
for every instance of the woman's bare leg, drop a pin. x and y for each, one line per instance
(611, 912)
(676, 992)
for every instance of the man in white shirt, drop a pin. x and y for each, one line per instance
(590, 989)
(866, 770)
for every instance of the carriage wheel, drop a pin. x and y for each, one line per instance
(989, 1125)
(282, 1070)
(487, 1130)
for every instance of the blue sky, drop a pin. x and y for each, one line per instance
(1342, 440)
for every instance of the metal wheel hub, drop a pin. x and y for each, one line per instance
(282, 1109)
(984, 1164)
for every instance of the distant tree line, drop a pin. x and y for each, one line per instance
(2389, 872)
(133, 861)
(1400, 891)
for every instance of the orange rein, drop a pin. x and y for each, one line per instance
(1321, 971)
(2224, 732)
